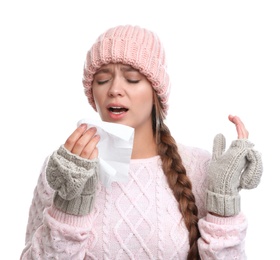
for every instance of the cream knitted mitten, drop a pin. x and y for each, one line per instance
(74, 179)
(240, 167)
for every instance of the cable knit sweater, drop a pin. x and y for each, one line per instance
(139, 219)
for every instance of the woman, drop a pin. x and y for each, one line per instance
(179, 203)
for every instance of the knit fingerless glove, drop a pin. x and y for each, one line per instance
(240, 167)
(74, 179)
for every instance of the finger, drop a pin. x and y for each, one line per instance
(242, 132)
(90, 151)
(82, 142)
(94, 154)
(74, 137)
(252, 174)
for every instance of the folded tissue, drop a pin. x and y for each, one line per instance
(114, 148)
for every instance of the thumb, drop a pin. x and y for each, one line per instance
(252, 174)
(219, 146)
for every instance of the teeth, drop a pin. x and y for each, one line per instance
(117, 112)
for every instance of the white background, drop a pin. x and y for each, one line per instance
(223, 58)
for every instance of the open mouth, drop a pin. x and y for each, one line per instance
(118, 110)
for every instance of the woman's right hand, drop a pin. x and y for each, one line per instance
(83, 142)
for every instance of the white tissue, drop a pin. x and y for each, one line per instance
(114, 148)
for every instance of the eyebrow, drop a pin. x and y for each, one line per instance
(128, 68)
(102, 70)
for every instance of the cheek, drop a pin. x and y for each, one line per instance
(148, 98)
(146, 101)
(96, 99)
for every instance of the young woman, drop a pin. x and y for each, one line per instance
(179, 202)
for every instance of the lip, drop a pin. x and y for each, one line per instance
(116, 105)
(116, 116)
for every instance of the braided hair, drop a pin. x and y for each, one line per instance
(177, 178)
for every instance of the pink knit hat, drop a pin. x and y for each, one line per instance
(133, 46)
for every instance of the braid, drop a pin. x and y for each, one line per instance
(177, 179)
(181, 186)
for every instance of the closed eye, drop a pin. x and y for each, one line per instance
(101, 82)
(133, 81)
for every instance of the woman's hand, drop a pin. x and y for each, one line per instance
(240, 167)
(73, 172)
(242, 132)
(83, 142)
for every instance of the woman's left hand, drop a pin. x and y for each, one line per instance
(240, 167)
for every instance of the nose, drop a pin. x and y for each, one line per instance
(116, 87)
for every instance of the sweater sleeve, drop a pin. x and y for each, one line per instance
(222, 238)
(51, 233)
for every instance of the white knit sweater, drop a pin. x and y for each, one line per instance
(139, 219)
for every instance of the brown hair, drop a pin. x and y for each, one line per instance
(176, 177)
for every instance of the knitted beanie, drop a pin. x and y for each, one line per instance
(134, 46)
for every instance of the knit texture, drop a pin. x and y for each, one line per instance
(74, 179)
(239, 167)
(134, 220)
(134, 46)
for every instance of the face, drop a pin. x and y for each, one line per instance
(123, 95)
